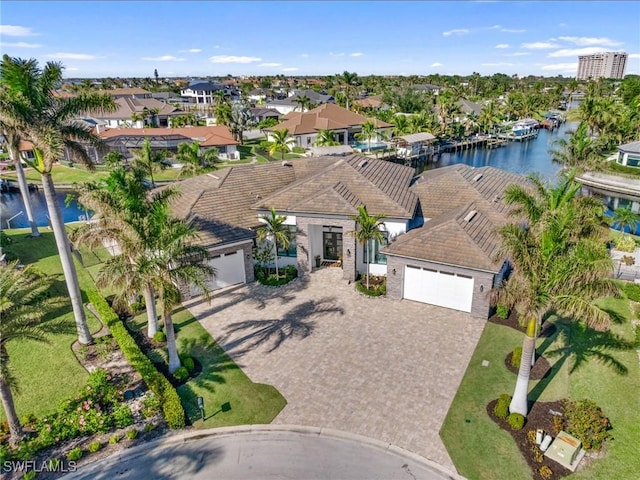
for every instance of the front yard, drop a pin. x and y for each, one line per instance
(481, 450)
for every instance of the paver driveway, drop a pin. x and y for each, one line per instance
(377, 367)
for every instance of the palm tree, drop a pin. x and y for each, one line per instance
(368, 231)
(578, 151)
(113, 159)
(275, 231)
(240, 120)
(280, 142)
(626, 218)
(489, 117)
(560, 262)
(194, 161)
(23, 306)
(349, 80)
(367, 133)
(400, 125)
(29, 103)
(325, 138)
(148, 160)
(303, 102)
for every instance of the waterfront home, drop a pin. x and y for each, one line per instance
(439, 231)
(138, 112)
(292, 103)
(629, 154)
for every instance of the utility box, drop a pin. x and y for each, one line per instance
(566, 451)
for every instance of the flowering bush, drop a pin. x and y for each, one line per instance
(586, 421)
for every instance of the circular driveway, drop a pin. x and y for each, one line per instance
(264, 452)
(377, 367)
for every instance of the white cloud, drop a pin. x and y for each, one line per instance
(634, 55)
(270, 64)
(340, 54)
(590, 41)
(574, 52)
(72, 56)
(495, 27)
(304, 55)
(164, 58)
(517, 54)
(21, 45)
(290, 69)
(512, 30)
(540, 45)
(456, 31)
(502, 45)
(15, 31)
(233, 59)
(191, 50)
(356, 54)
(561, 67)
(498, 64)
(436, 64)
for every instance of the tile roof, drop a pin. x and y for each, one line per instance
(327, 116)
(207, 136)
(219, 203)
(633, 147)
(350, 181)
(375, 101)
(126, 91)
(126, 106)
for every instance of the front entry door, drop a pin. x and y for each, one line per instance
(332, 243)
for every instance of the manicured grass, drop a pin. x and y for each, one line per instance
(46, 373)
(221, 381)
(65, 175)
(481, 450)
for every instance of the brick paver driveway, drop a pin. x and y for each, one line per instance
(377, 367)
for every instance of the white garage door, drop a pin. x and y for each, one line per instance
(440, 288)
(229, 271)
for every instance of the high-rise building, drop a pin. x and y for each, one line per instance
(605, 64)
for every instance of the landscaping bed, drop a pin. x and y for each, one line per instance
(540, 369)
(377, 285)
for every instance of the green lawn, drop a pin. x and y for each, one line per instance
(220, 383)
(481, 450)
(64, 175)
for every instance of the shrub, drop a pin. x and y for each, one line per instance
(115, 439)
(558, 423)
(516, 421)
(516, 357)
(375, 289)
(157, 383)
(545, 472)
(94, 447)
(502, 311)
(149, 427)
(188, 363)
(624, 243)
(587, 422)
(181, 374)
(537, 454)
(122, 416)
(298, 149)
(74, 454)
(287, 274)
(131, 434)
(501, 408)
(637, 328)
(160, 337)
(30, 475)
(29, 419)
(632, 291)
(150, 406)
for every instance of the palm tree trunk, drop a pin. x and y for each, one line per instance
(275, 248)
(15, 429)
(366, 252)
(152, 313)
(174, 359)
(68, 267)
(519, 403)
(24, 190)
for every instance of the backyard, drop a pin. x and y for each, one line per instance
(480, 449)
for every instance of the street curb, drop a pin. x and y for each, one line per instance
(182, 438)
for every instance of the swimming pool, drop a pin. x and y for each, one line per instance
(364, 146)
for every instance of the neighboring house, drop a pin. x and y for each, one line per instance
(132, 92)
(468, 107)
(203, 92)
(291, 104)
(126, 139)
(258, 95)
(260, 114)
(629, 154)
(135, 112)
(304, 126)
(424, 88)
(374, 102)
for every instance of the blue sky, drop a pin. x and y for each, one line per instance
(127, 38)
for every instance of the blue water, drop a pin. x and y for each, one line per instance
(11, 204)
(363, 146)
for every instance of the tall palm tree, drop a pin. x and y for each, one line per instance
(350, 81)
(280, 142)
(275, 231)
(29, 103)
(626, 218)
(325, 138)
(368, 132)
(368, 231)
(559, 261)
(23, 306)
(578, 151)
(489, 117)
(194, 161)
(147, 159)
(400, 125)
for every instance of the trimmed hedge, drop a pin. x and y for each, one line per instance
(171, 407)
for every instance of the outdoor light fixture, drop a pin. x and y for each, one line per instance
(393, 271)
(481, 288)
(348, 252)
(201, 406)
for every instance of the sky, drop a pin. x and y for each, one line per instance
(181, 38)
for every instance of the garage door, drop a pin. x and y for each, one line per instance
(441, 288)
(229, 271)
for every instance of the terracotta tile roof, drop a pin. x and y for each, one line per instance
(206, 136)
(219, 203)
(25, 146)
(327, 116)
(374, 101)
(350, 181)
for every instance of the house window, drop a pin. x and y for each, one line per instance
(291, 251)
(373, 250)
